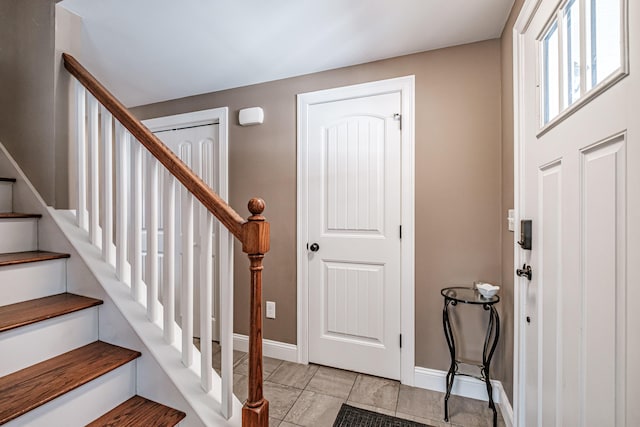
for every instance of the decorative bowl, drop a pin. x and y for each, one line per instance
(487, 290)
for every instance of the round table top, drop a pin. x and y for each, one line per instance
(467, 295)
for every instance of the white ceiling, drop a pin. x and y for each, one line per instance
(147, 51)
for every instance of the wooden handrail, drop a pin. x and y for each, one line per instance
(218, 207)
(253, 233)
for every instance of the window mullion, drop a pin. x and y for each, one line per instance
(583, 47)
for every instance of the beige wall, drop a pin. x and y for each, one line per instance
(27, 89)
(67, 39)
(458, 181)
(507, 198)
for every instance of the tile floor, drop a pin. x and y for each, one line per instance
(301, 395)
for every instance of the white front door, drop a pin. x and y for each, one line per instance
(354, 217)
(579, 180)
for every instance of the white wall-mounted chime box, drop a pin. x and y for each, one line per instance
(251, 116)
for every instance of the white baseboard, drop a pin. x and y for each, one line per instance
(506, 408)
(275, 349)
(433, 379)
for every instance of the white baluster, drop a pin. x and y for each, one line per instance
(122, 213)
(152, 239)
(187, 279)
(169, 278)
(107, 195)
(94, 173)
(225, 263)
(136, 279)
(81, 155)
(206, 296)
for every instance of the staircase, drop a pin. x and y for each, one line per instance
(54, 370)
(114, 150)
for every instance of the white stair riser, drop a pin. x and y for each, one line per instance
(18, 235)
(32, 280)
(6, 197)
(26, 346)
(84, 404)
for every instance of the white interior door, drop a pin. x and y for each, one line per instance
(354, 217)
(198, 147)
(579, 185)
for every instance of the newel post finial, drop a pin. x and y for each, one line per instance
(256, 207)
(255, 244)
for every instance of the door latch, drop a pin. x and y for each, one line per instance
(398, 117)
(525, 271)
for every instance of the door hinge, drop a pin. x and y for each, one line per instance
(400, 340)
(401, 231)
(398, 117)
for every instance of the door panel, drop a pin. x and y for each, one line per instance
(549, 312)
(603, 249)
(354, 176)
(354, 297)
(354, 216)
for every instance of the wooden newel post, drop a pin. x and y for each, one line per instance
(255, 244)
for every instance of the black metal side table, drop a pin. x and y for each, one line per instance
(453, 296)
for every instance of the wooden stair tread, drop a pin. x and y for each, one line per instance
(29, 388)
(30, 256)
(139, 412)
(7, 180)
(11, 215)
(28, 312)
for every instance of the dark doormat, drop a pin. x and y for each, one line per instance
(350, 416)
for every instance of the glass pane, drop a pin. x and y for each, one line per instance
(604, 37)
(550, 54)
(571, 57)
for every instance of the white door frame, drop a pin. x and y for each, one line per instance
(519, 297)
(404, 85)
(224, 250)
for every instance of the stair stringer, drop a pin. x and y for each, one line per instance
(122, 321)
